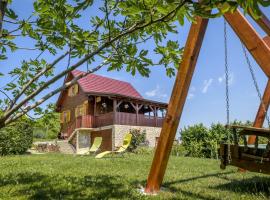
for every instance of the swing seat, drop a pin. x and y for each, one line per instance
(249, 130)
(255, 157)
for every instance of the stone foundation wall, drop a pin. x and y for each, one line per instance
(117, 135)
(119, 132)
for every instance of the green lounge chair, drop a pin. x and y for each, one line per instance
(95, 146)
(120, 150)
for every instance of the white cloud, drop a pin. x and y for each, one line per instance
(191, 94)
(221, 79)
(157, 92)
(206, 85)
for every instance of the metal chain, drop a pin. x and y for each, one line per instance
(226, 74)
(255, 83)
(227, 89)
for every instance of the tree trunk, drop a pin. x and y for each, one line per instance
(3, 5)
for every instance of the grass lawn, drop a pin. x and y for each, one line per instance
(56, 176)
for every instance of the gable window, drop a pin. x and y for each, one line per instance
(65, 116)
(73, 90)
(81, 110)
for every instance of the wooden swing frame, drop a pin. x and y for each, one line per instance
(260, 51)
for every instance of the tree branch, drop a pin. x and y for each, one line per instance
(135, 27)
(38, 75)
(59, 89)
(3, 6)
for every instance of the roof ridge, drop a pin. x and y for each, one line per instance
(118, 84)
(103, 77)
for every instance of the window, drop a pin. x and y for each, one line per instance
(73, 90)
(81, 110)
(65, 116)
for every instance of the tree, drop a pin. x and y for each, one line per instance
(114, 32)
(48, 125)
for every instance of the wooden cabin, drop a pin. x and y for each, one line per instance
(101, 106)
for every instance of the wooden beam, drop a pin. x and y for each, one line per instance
(261, 114)
(177, 101)
(264, 105)
(119, 104)
(251, 39)
(139, 108)
(133, 105)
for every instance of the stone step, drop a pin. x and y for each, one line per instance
(65, 147)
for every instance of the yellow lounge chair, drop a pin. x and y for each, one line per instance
(95, 146)
(120, 150)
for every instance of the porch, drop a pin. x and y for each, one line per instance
(106, 111)
(118, 118)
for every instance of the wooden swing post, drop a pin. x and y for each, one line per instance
(256, 46)
(264, 23)
(177, 101)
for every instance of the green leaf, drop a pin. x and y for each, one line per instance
(11, 14)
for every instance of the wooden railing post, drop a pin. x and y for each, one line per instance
(176, 104)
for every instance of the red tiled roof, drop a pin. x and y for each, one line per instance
(93, 83)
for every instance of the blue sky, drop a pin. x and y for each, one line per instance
(206, 99)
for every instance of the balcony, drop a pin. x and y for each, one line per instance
(120, 118)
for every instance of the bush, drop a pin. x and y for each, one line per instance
(138, 139)
(200, 141)
(17, 137)
(178, 150)
(48, 126)
(144, 150)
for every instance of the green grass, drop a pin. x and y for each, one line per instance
(56, 176)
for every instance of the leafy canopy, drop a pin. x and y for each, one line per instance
(116, 32)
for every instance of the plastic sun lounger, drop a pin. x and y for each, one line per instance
(95, 146)
(120, 150)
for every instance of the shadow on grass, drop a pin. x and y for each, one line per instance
(255, 185)
(168, 184)
(40, 186)
(173, 188)
(258, 186)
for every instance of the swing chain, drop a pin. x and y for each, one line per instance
(227, 91)
(255, 83)
(226, 74)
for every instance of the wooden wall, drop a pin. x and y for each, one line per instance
(106, 139)
(70, 103)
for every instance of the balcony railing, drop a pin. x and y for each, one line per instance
(120, 118)
(131, 119)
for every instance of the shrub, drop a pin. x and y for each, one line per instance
(141, 150)
(200, 141)
(48, 126)
(178, 150)
(17, 137)
(194, 139)
(138, 139)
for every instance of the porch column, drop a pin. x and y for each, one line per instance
(137, 114)
(114, 111)
(136, 108)
(156, 115)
